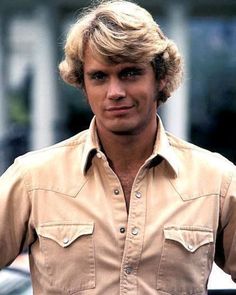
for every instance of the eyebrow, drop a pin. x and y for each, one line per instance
(125, 68)
(134, 67)
(92, 72)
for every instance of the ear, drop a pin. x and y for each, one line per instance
(84, 91)
(162, 84)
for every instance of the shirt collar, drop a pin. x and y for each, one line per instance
(162, 147)
(91, 146)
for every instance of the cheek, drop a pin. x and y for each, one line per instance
(94, 93)
(94, 102)
(90, 95)
(147, 95)
(153, 91)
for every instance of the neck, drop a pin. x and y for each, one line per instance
(125, 152)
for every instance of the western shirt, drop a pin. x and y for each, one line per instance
(67, 206)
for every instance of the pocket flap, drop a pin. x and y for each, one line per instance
(65, 233)
(190, 237)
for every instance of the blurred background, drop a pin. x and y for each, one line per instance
(38, 109)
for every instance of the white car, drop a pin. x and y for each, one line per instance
(15, 279)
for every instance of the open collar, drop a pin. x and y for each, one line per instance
(91, 146)
(162, 147)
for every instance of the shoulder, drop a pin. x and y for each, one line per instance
(55, 154)
(200, 165)
(201, 172)
(198, 155)
(56, 167)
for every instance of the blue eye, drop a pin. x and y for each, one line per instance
(131, 73)
(99, 76)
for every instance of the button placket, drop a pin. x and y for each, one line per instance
(118, 206)
(134, 237)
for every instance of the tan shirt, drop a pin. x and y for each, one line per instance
(67, 205)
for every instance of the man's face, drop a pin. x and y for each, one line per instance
(122, 96)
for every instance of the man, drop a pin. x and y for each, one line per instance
(124, 207)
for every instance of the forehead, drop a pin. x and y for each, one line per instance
(94, 61)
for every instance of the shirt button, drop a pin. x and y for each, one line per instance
(122, 230)
(66, 241)
(135, 231)
(116, 191)
(190, 247)
(138, 195)
(128, 270)
(99, 155)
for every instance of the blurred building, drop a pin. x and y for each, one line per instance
(37, 109)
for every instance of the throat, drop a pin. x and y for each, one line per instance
(126, 182)
(127, 179)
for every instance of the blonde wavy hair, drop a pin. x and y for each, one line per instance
(121, 31)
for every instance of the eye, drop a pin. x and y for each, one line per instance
(98, 76)
(130, 73)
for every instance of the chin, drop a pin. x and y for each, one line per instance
(124, 130)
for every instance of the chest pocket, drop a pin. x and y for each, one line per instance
(186, 260)
(68, 253)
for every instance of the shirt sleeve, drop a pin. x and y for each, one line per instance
(15, 207)
(226, 242)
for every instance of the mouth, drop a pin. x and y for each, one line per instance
(119, 110)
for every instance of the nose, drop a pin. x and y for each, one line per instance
(115, 90)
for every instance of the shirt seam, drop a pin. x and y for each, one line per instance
(199, 196)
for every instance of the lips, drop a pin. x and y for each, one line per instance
(119, 110)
